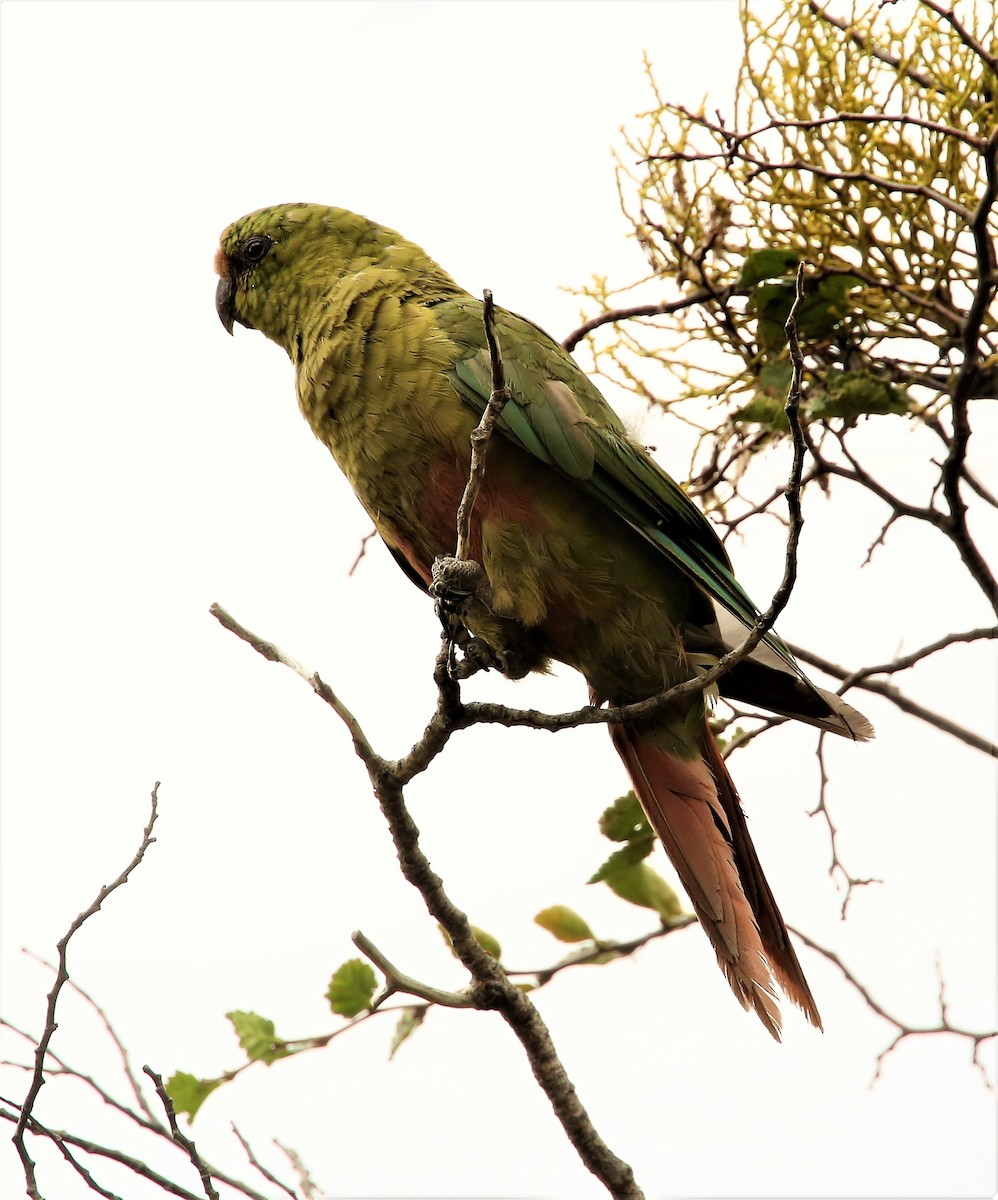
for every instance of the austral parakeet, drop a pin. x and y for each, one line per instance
(593, 555)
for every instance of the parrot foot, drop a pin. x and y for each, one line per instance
(457, 581)
(477, 655)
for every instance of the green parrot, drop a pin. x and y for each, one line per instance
(592, 555)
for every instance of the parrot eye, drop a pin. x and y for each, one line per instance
(255, 248)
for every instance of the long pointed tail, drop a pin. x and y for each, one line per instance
(694, 808)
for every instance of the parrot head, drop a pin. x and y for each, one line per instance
(277, 265)
(272, 260)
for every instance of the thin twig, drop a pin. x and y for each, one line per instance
(764, 166)
(151, 1125)
(62, 975)
(85, 1174)
(602, 952)
(742, 739)
(897, 698)
(613, 316)
(396, 981)
(362, 551)
(836, 866)
(968, 39)
(63, 1068)
(254, 1161)
(180, 1137)
(868, 46)
(904, 1030)
(736, 139)
(309, 1189)
(482, 434)
(136, 1166)
(905, 661)
(274, 654)
(119, 1045)
(322, 1040)
(797, 436)
(984, 292)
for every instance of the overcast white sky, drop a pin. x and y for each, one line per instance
(151, 466)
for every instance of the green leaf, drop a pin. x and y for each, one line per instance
(834, 289)
(257, 1037)
(487, 942)
(774, 381)
(187, 1093)
(627, 856)
(767, 411)
(564, 924)
(408, 1023)
(825, 304)
(766, 264)
(624, 820)
(351, 988)
(768, 407)
(771, 302)
(732, 736)
(642, 885)
(853, 394)
(822, 311)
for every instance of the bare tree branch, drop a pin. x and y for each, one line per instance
(396, 981)
(362, 551)
(255, 1162)
(987, 284)
(836, 868)
(904, 1030)
(897, 698)
(62, 975)
(763, 166)
(180, 1137)
(61, 1137)
(491, 988)
(904, 661)
(614, 316)
(308, 1187)
(867, 46)
(602, 952)
(480, 436)
(968, 39)
(126, 1063)
(735, 138)
(63, 1068)
(274, 654)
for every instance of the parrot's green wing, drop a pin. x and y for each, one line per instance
(558, 415)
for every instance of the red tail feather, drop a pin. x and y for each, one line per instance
(694, 808)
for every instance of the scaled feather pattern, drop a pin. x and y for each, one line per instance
(593, 555)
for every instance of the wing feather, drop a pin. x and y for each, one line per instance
(560, 417)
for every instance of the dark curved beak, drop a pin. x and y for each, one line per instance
(225, 302)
